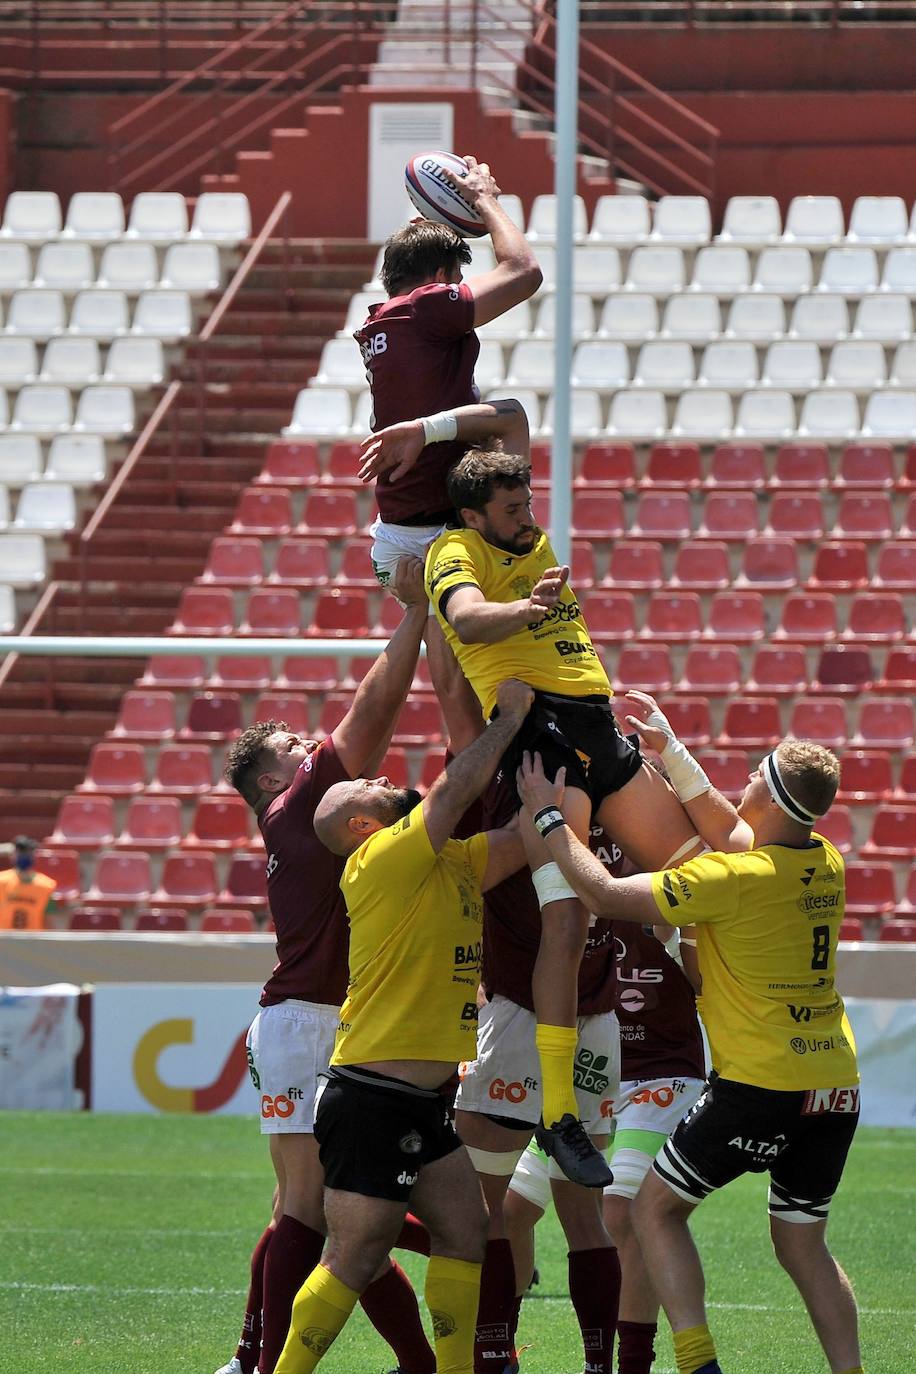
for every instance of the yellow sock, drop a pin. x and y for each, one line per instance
(320, 1313)
(692, 1349)
(557, 1050)
(452, 1296)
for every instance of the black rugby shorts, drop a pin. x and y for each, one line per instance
(376, 1133)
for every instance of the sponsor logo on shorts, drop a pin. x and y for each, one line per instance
(589, 1072)
(255, 1076)
(407, 1179)
(607, 1107)
(282, 1106)
(820, 1100)
(500, 1090)
(818, 903)
(660, 1097)
(760, 1149)
(411, 1143)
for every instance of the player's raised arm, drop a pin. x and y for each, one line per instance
(516, 275)
(396, 448)
(478, 621)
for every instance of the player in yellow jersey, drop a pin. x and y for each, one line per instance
(783, 1095)
(414, 903)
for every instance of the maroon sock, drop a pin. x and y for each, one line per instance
(635, 1347)
(291, 1257)
(513, 1320)
(594, 1287)
(250, 1339)
(493, 1346)
(391, 1305)
(414, 1236)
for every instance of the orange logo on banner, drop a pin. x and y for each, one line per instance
(163, 1096)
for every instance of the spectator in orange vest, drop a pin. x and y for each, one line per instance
(26, 896)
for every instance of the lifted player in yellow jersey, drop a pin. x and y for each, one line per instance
(783, 1093)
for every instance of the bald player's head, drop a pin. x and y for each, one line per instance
(349, 812)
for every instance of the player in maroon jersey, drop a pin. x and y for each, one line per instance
(283, 778)
(420, 349)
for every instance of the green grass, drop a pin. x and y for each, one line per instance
(124, 1245)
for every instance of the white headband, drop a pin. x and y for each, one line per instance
(781, 794)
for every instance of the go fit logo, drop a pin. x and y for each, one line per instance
(166, 1098)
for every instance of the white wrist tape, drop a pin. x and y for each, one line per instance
(439, 428)
(673, 947)
(551, 886)
(686, 775)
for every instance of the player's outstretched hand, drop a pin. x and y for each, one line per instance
(652, 725)
(548, 589)
(533, 786)
(408, 583)
(478, 182)
(514, 698)
(393, 450)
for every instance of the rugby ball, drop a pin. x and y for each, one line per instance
(428, 178)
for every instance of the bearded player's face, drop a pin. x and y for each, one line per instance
(389, 803)
(506, 521)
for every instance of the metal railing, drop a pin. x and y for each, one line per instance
(42, 609)
(720, 13)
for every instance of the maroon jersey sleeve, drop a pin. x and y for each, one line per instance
(656, 1007)
(443, 312)
(303, 889)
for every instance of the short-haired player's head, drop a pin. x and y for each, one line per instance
(264, 760)
(796, 783)
(421, 253)
(490, 492)
(349, 812)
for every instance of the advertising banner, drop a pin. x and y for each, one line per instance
(172, 1047)
(40, 1041)
(886, 1044)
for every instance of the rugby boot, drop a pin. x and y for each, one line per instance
(567, 1143)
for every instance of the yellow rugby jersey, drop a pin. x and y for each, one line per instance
(767, 927)
(416, 921)
(554, 654)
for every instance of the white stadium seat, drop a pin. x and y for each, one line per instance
(722, 271)
(601, 364)
(95, 217)
(101, 315)
(514, 324)
(729, 365)
(20, 459)
(105, 410)
(72, 361)
(765, 415)
(703, 414)
(857, 365)
(583, 317)
(542, 222)
(658, 271)
(135, 362)
(888, 319)
(903, 368)
(695, 318)
(164, 315)
(878, 220)
(7, 609)
(900, 271)
(76, 458)
(46, 508)
(358, 309)
(22, 560)
(514, 208)
(757, 318)
(222, 217)
(532, 364)
(849, 271)
(319, 413)
(31, 217)
(36, 314)
(829, 415)
(158, 217)
(374, 285)
(43, 410)
(596, 269)
(793, 365)
(547, 261)
(815, 221)
(820, 319)
(623, 220)
(361, 422)
(784, 271)
(890, 415)
(4, 507)
(683, 220)
(752, 221)
(630, 318)
(637, 414)
(18, 361)
(341, 365)
(585, 415)
(664, 365)
(490, 368)
(15, 266)
(191, 267)
(129, 267)
(483, 259)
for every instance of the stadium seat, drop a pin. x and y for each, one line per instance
(893, 834)
(849, 272)
(15, 267)
(272, 611)
(220, 822)
(673, 465)
(865, 776)
(41, 410)
(784, 272)
(342, 467)
(330, 515)
(395, 767)
(635, 566)
(4, 507)
(876, 618)
(906, 783)
(36, 314)
(819, 320)
(302, 563)
(727, 769)
(665, 365)
(637, 414)
(673, 617)
(885, 723)
(542, 221)
(188, 880)
(164, 315)
(582, 565)
(193, 267)
(94, 217)
(857, 365)
(695, 318)
(290, 464)
(597, 515)
(123, 879)
(7, 610)
(246, 882)
(48, 508)
(629, 317)
(870, 889)
(340, 615)
(221, 217)
(176, 671)
(729, 364)
(836, 826)
(690, 720)
(792, 364)
(751, 723)
(98, 919)
(700, 565)
(778, 670)
(204, 611)
(851, 928)
(866, 465)
(736, 617)
(234, 561)
(623, 220)
(600, 364)
(134, 362)
(899, 671)
(129, 267)
(886, 319)
(101, 315)
(721, 271)
(816, 221)
(341, 365)
(610, 616)
(20, 458)
(241, 674)
(66, 267)
(683, 220)
(899, 273)
(420, 722)
(898, 932)
(807, 618)
(753, 221)
(757, 318)
(896, 567)
(214, 717)
(107, 410)
(798, 515)
(662, 515)
(356, 568)
(768, 565)
(162, 921)
(289, 710)
(596, 269)
(320, 413)
(657, 271)
(765, 414)
(890, 415)
(607, 465)
(712, 670)
(877, 220)
(583, 323)
(510, 326)
(31, 216)
(907, 529)
(227, 922)
(644, 667)
(585, 418)
(729, 515)
(739, 465)
(22, 560)
(263, 512)
(703, 414)
(72, 362)
(333, 710)
(839, 566)
(151, 823)
(864, 516)
(903, 369)
(821, 719)
(115, 769)
(63, 865)
(843, 670)
(183, 770)
(158, 217)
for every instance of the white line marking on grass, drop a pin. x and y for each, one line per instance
(165, 1233)
(752, 1307)
(13, 1286)
(83, 1172)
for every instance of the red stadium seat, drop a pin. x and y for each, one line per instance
(899, 671)
(896, 570)
(701, 565)
(301, 563)
(336, 706)
(839, 566)
(356, 567)
(164, 921)
(690, 720)
(63, 865)
(673, 465)
(582, 568)
(907, 528)
(751, 723)
(151, 823)
(636, 565)
(870, 889)
(100, 918)
(541, 457)
(188, 880)
(738, 466)
(340, 615)
(866, 465)
(662, 515)
(433, 764)
(712, 669)
(385, 616)
(885, 723)
(343, 466)
(290, 708)
(836, 827)
(893, 833)
(204, 611)
(309, 674)
(183, 770)
(727, 769)
(220, 822)
(822, 720)
(905, 790)
(121, 879)
(842, 670)
(395, 767)
(290, 464)
(729, 515)
(737, 617)
(645, 667)
(420, 722)
(769, 565)
(213, 716)
(876, 618)
(597, 515)
(273, 611)
(227, 922)
(898, 932)
(266, 512)
(234, 562)
(246, 883)
(673, 617)
(796, 514)
(610, 616)
(146, 716)
(851, 929)
(608, 465)
(801, 465)
(182, 672)
(241, 674)
(118, 770)
(540, 509)
(864, 515)
(330, 515)
(778, 670)
(84, 821)
(807, 618)
(865, 776)
(908, 905)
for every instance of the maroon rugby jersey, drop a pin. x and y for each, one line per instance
(656, 1008)
(420, 351)
(512, 925)
(303, 889)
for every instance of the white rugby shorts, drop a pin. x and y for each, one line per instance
(288, 1046)
(391, 542)
(646, 1111)
(505, 1078)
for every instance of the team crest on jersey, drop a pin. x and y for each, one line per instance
(521, 586)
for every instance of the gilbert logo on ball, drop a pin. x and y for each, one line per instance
(430, 181)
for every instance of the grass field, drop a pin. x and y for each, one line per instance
(125, 1244)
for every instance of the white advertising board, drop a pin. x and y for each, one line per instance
(172, 1047)
(40, 1038)
(886, 1045)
